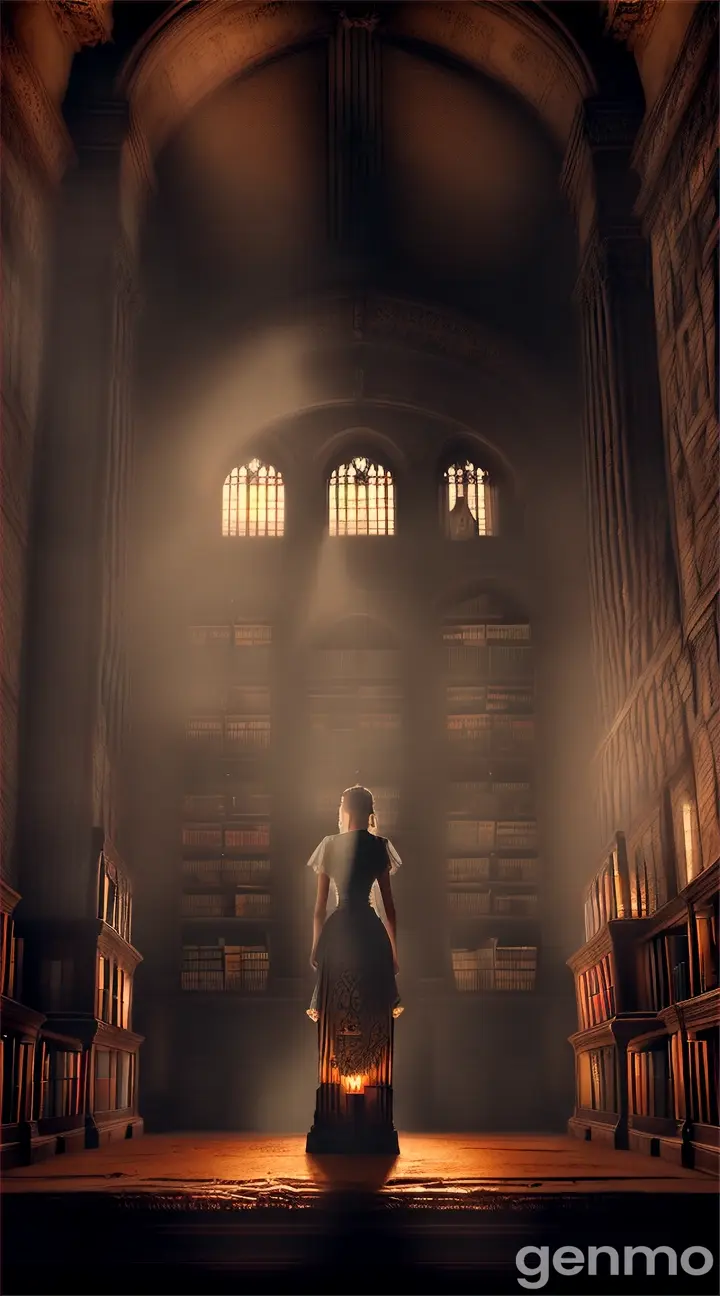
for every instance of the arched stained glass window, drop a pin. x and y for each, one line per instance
(466, 501)
(253, 501)
(361, 500)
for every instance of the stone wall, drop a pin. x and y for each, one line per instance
(677, 157)
(37, 52)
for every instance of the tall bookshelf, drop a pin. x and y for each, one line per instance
(79, 975)
(356, 722)
(648, 997)
(226, 907)
(492, 864)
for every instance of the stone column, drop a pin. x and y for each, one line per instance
(354, 130)
(633, 586)
(70, 499)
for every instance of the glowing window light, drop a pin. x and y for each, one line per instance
(254, 501)
(688, 824)
(361, 500)
(466, 501)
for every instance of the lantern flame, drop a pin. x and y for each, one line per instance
(353, 1084)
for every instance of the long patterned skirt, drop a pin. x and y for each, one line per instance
(355, 998)
(355, 1003)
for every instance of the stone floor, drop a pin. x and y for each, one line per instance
(208, 1213)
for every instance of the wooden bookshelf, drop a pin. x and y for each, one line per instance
(79, 981)
(648, 1003)
(492, 867)
(225, 879)
(495, 967)
(222, 968)
(355, 701)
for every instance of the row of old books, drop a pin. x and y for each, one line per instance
(487, 835)
(513, 699)
(495, 967)
(597, 1079)
(703, 1071)
(492, 867)
(10, 948)
(475, 632)
(596, 994)
(471, 904)
(647, 870)
(227, 872)
(114, 897)
(229, 731)
(649, 1081)
(491, 800)
(222, 837)
(196, 904)
(500, 664)
(247, 802)
(667, 962)
(608, 895)
(387, 804)
(225, 967)
(498, 735)
(240, 635)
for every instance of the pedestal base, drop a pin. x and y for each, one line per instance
(353, 1124)
(328, 1142)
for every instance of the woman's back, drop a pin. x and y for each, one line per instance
(353, 862)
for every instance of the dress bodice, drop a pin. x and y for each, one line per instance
(354, 861)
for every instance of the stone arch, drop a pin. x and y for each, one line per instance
(191, 52)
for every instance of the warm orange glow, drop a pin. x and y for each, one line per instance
(354, 1084)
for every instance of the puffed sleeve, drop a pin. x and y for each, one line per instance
(393, 858)
(317, 859)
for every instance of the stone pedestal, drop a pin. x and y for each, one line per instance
(353, 1123)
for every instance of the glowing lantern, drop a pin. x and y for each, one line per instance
(354, 1084)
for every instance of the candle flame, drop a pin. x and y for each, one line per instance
(353, 1084)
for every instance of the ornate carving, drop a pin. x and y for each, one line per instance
(431, 329)
(86, 22)
(32, 114)
(365, 17)
(697, 61)
(631, 21)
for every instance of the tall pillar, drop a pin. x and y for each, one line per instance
(63, 631)
(633, 587)
(354, 130)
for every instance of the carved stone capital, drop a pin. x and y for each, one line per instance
(364, 17)
(631, 21)
(86, 22)
(694, 78)
(31, 116)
